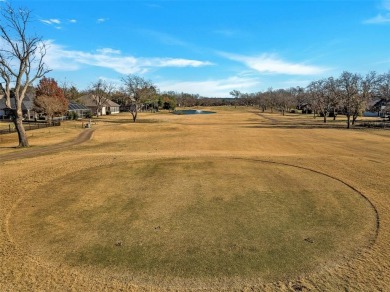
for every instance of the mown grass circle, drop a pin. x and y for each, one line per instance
(196, 218)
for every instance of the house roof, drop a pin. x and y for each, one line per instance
(77, 106)
(90, 101)
(2, 103)
(111, 103)
(87, 100)
(27, 103)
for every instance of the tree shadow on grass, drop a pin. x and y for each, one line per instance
(130, 121)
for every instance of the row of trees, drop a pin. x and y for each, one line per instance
(135, 94)
(349, 94)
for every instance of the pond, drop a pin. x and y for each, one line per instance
(192, 112)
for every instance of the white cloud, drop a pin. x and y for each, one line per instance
(271, 63)
(107, 51)
(51, 21)
(101, 20)
(383, 17)
(59, 58)
(379, 19)
(45, 21)
(172, 62)
(72, 20)
(211, 88)
(56, 21)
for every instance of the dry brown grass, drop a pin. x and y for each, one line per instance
(231, 138)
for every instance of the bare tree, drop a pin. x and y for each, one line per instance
(323, 95)
(70, 90)
(366, 87)
(333, 97)
(138, 90)
(187, 99)
(297, 95)
(101, 92)
(21, 62)
(236, 94)
(261, 101)
(384, 86)
(284, 100)
(269, 99)
(384, 92)
(348, 90)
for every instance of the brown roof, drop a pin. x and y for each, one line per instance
(89, 100)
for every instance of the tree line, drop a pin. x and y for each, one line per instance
(350, 94)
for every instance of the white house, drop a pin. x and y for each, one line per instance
(107, 107)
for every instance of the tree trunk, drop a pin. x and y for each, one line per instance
(354, 118)
(325, 114)
(50, 120)
(348, 121)
(18, 122)
(134, 114)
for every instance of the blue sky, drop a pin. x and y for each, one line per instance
(212, 47)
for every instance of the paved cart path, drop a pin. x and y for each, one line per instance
(32, 152)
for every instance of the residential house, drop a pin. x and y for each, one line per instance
(28, 110)
(112, 107)
(79, 109)
(378, 107)
(107, 107)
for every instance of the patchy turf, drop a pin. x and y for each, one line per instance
(196, 218)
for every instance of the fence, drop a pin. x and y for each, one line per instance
(384, 123)
(31, 125)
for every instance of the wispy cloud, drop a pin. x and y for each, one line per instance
(59, 58)
(231, 33)
(51, 21)
(380, 18)
(272, 64)
(383, 17)
(101, 20)
(56, 22)
(176, 62)
(106, 51)
(212, 87)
